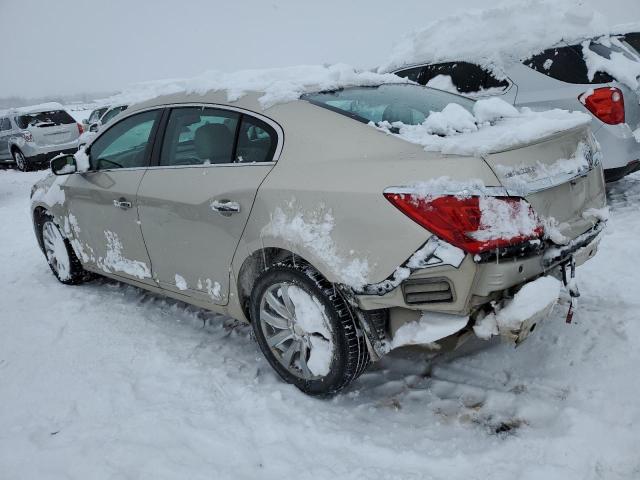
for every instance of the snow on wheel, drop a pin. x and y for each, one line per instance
(60, 256)
(306, 330)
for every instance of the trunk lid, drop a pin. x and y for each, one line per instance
(50, 128)
(560, 176)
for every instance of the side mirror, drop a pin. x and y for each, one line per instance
(93, 127)
(64, 165)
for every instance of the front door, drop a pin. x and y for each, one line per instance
(102, 208)
(195, 203)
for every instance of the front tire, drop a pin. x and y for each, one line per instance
(60, 255)
(306, 330)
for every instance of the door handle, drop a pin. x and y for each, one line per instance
(122, 203)
(225, 207)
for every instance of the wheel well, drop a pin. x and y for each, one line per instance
(39, 216)
(253, 266)
(15, 148)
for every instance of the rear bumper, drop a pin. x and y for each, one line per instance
(45, 158)
(614, 174)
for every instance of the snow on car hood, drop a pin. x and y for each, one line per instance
(493, 126)
(278, 85)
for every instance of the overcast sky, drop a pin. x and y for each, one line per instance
(71, 46)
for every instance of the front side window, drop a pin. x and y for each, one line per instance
(126, 144)
(199, 136)
(409, 104)
(96, 114)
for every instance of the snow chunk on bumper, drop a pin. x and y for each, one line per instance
(532, 303)
(428, 329)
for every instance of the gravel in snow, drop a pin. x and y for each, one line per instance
(107, 381)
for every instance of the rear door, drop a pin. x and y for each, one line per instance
(195, 203)
(102, 202)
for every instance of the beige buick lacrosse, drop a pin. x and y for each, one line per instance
(316, 221)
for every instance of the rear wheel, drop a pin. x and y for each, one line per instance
(60, 255)
(21, 161)
(306, 329)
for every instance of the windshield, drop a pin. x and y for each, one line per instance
(44, 119)
(406, 103)
(112, 113)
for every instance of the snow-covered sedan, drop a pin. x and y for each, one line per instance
(340, 222)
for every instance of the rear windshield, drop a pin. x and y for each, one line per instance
(44, 119)
(633, 39)
(567, 64)
(409, 104)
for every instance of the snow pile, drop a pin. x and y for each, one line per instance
(505, 219)
(442, 82)
(181, 283)
(312, 319)
(623, 65)
(114, 261)
(313, 232)
(487, 137)
(52, 195)
(497, 36)
(437, 187)
(534, 299)
(278, 85)
(452, 119)
(82, 160)
(41, 107)
(491, 109)
(429, 328)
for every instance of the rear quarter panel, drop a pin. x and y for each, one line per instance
(333, 164)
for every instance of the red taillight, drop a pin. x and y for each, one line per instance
(461, 221)
(80, 129)
(606, 103)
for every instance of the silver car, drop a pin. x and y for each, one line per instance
(557, 78)
(98, 119)
(32, 136)
(302, 220)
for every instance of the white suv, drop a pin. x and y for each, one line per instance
(32, 136)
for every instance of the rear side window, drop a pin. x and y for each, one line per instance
(256, 141)
(44, 119)
(199, 136)
(6, 124)
(567, 65)
(466, 77)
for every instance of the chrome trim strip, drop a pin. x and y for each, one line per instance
(486, 191)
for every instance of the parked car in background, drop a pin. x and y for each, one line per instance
(108, 114)
(557, 78)
(31, 136)
(94, 116)
(305, 220)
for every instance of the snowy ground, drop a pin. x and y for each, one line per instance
(105, 381)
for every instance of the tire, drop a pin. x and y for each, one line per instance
(22, 163)
(319, 361)
(60, 255)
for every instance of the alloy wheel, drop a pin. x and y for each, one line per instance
(296, 330)
(56, 250)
